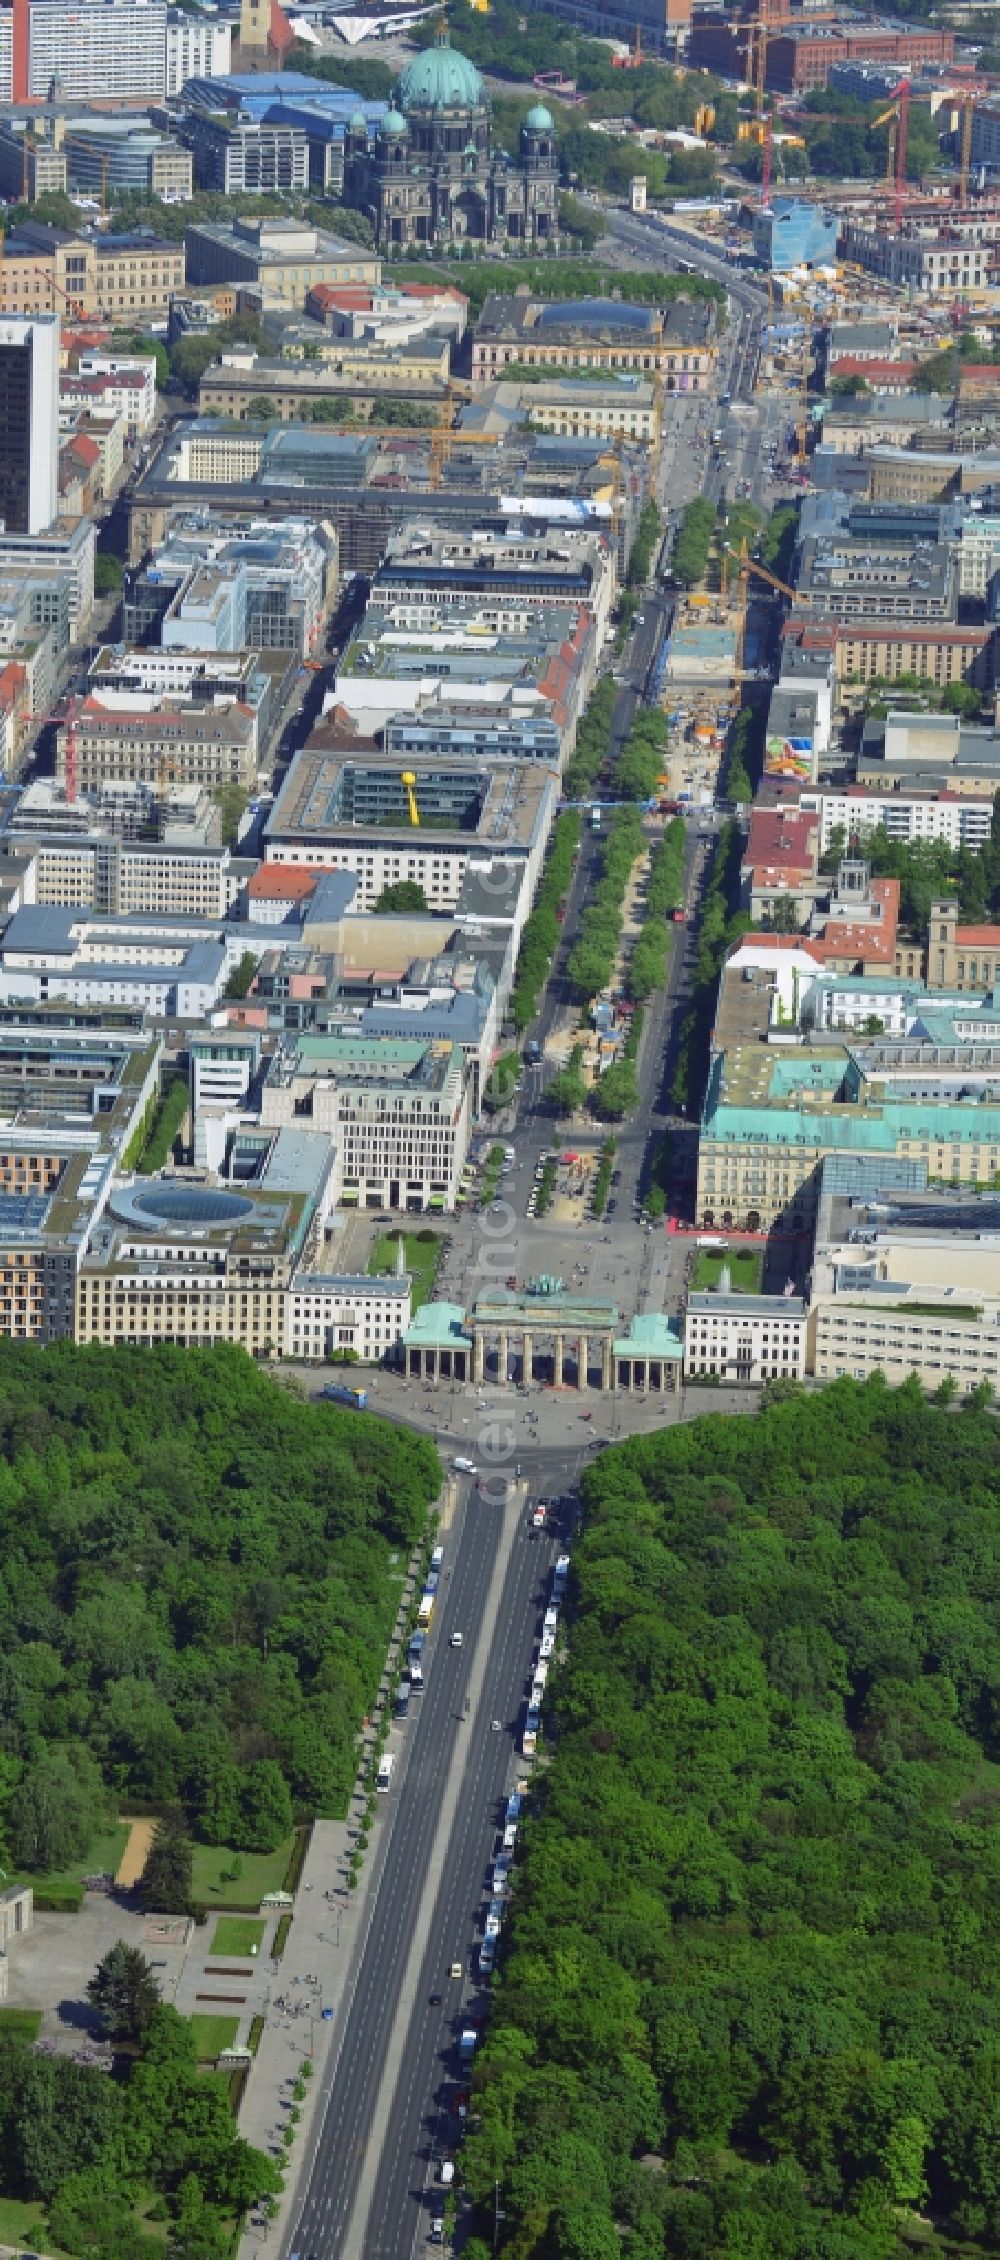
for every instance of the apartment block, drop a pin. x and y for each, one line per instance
(96, 49)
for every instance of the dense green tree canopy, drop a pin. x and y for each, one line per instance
(756, 1927)
(195, 1590)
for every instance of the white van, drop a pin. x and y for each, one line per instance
(446, 2171)
(462, 1466)
(384, 1775)
(437, 1557)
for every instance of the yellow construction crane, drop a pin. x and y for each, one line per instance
(409, 784)
(747, 565)
(965, 156)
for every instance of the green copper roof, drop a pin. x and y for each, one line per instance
(440, 79)
(539, 119)
(393, 122)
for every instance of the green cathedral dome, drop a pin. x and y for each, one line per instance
(440, 79)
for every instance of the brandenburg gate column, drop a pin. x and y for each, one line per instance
(526, 1359)
(557, 1363)
(502, 1368)
(606, 1374)
(479, 1357)
(583, 1360)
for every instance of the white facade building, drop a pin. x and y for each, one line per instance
(137, 407)
(98, 49)
(326, 1313)
(196, 47)
(745, 1338)
(960, 819)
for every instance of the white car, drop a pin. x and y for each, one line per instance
(456, 1640)
(462, 1466)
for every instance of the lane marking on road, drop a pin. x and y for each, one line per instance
(354, 2245)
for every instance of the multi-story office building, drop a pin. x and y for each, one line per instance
(476, 822)
(29, 423)
(31, 165)
(64, 553)
(226, 586)
(398, 1112)
(192, 1263)
(126, 877)
(247, 157)
(430, 570)
(161, 965)
(108, 154)
(73, 1097)
(47, 271)
(196, 47)
(363, 375)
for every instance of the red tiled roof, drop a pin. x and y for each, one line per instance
(780, 942)
(281, 882)
(872, 941)
(852, 365)
(782, 839)
(978, 937)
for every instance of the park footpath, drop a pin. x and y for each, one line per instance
(306, 1993)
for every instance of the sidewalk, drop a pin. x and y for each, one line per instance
(305, 1991)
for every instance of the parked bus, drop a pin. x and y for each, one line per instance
(341, 1393)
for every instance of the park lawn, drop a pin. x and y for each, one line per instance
(23, 2225)
(20, 2024)
(745, 1267)
(422, 1259)
(103, 1857)
(261, 1872)
(236, 1934)
(212, 2035)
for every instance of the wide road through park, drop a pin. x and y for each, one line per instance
(370, 2184)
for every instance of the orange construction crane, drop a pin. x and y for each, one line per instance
(758, 29)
